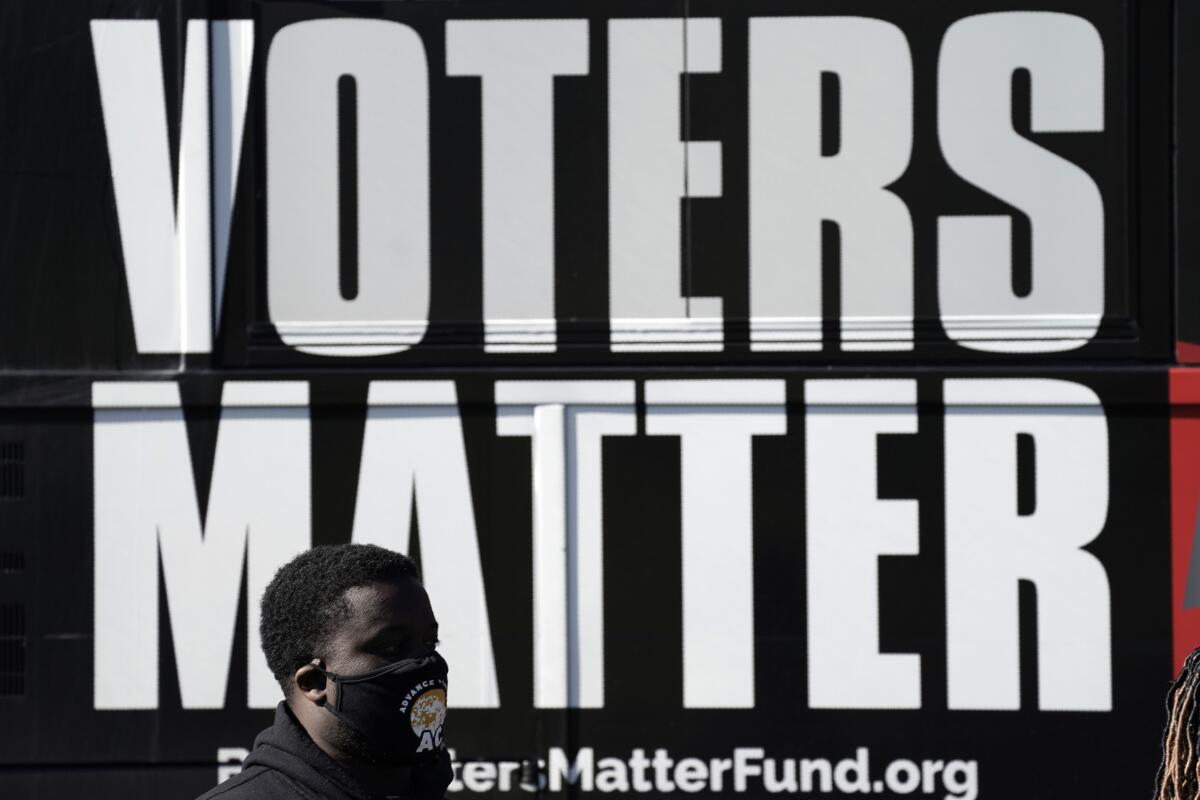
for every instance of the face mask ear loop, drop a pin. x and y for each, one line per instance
(335, 706)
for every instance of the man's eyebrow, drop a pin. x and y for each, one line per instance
(385, 631)
(389, 631)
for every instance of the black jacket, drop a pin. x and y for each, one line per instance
(285, 764)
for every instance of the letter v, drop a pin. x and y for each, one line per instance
(168, 243)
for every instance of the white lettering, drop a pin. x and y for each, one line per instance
(146, 509)
(580, 772)
(746, 764)
(167, 242)
(962, 780)
(413, 451)
(990, 547)
(819, 767)
(785, 781)
(650, 170)
(567, 422)
(662, 771)
(1065, 58)
(479, 776)
(691, 774)
(638, 763)
(612, 775)
(852, 775)
(717, 767)
(518, 60)
(849, 527)
(229, 762)
(794, 188)
(716, 421)
(309, 307)
(902, 776)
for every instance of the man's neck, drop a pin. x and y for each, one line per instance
(380, 780)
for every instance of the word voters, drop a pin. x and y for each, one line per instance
(353, 146)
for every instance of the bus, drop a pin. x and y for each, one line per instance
(778, 397)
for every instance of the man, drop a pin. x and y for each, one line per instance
(349, 634)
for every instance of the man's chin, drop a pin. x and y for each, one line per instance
(358, 749)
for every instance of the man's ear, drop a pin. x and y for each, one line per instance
(309, 683)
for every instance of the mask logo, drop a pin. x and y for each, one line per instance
(428, 717)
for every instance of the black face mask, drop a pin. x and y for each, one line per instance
(399, 709)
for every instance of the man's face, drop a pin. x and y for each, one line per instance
(388, 621)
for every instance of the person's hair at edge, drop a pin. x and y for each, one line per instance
(306, 600)
(1179, 772)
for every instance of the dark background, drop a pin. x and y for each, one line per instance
(64, 321)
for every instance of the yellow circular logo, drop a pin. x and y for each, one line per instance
(428, 714)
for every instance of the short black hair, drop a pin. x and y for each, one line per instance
(307, 598)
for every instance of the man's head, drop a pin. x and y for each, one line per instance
(347, 610)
